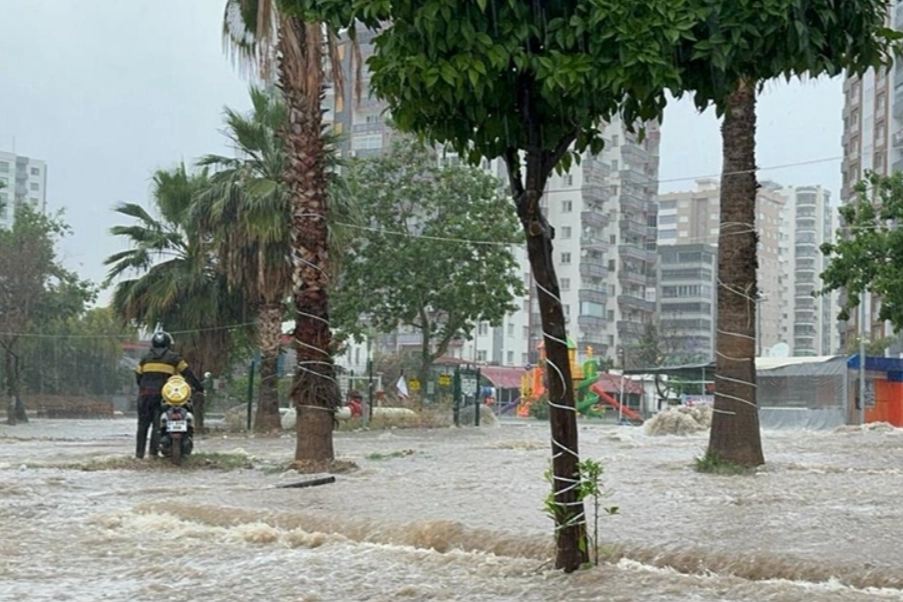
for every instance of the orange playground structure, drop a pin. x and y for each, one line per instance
(592, 399)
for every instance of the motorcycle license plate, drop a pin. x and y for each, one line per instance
(177, 426)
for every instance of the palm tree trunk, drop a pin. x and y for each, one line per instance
(735, 435)
(269, 325)
(315, 391)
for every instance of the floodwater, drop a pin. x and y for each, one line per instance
(448, 514)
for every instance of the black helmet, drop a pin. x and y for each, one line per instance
(161, 340)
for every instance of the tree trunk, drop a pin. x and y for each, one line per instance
(315, 391)
(269, 326)
(570, 514)
(15, 409)
(735, 435)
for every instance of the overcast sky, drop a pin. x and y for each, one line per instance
(107, 91)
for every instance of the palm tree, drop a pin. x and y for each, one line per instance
(260, 37)
(177, 284)
(245, 214)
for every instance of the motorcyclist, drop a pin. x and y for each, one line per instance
(157, 365)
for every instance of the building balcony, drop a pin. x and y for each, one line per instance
(629, 301)
(595, 172)
(631, 329)
(590, 269)
(636, 252)
(594, 219)
(634, 176)
(631, 227)
(594, 243)
(635, 154)
(628, 277)
(592, 296)
(590, 323)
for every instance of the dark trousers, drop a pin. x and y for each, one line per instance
(149, 408)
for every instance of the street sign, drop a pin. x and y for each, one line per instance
(445, 380)
(469, 384)
(414, 384)
(869, 393)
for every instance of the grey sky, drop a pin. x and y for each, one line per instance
(108, 91)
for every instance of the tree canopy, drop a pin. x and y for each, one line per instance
(415, 263)
(35, 289)
(868, 256)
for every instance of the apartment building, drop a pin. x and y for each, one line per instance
(693, 218)
(604, 214)
(809, 320)
(24, 181)
(872, 140)
(687, 302)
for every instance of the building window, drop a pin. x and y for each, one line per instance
(615, 140)
(33, 186)
(567, 206)
(525, 358)
(611, 265)
(367, 142)
(4, 167)
(611, 315)
(510, 329)
(565, 259)
(34, 171)
(565, 232)
(483, 329)
(567, 180)
(481, 355)
(525, 332)
(565, 284)
(614, 165)
(613, 239)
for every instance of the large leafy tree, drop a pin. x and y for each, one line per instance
(34, 289)
(530, 83)
(262, 37)
(169, 277)
(245, 214)
(79, 354)
(735, 47)
(413, 265)
(868, 258)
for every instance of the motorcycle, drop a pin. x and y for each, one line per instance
(176, 420)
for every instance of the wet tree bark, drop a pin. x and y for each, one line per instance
(269, 325)
(15, 409)
(735, 435)
(570, 525)
(315, 391)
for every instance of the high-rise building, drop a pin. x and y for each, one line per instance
(604, 214)
(694, 217)
(872, 140)
(24, 181)
(809, 320)
(687, 302)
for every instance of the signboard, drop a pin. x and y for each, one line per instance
(869, 393)
(414, 384)
(445, 380)
(469, 384)
(692, 401)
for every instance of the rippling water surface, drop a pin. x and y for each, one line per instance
(447, 514)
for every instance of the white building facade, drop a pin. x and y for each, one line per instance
(24, 181)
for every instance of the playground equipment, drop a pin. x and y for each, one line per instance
(591, 398)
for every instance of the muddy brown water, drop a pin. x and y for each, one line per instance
(460, 518)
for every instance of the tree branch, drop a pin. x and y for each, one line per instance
(551, 159)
